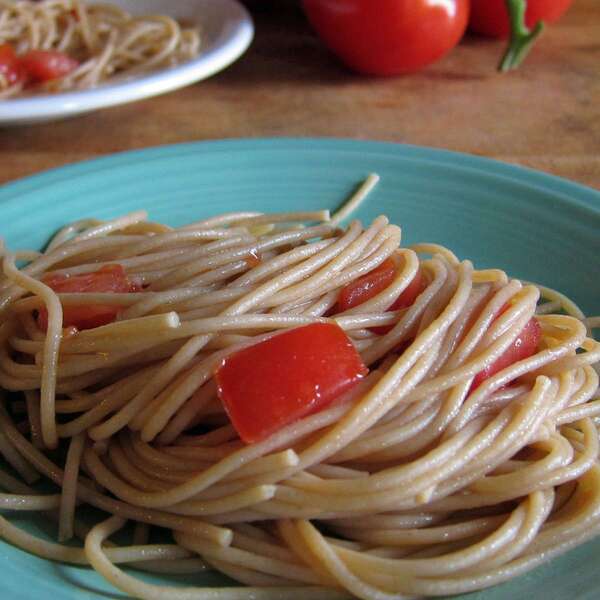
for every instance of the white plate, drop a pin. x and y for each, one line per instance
(226, 31)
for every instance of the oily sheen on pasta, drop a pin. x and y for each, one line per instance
(414, 483)
(103, 39)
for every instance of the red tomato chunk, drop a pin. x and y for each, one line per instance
(110, 278)
(10, 68)
(36, 66)
(523, 346)
(293, 374)
(366, 287)
(46, 65)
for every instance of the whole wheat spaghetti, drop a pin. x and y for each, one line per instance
(415, 483)
(105, 40)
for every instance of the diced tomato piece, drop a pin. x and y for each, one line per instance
(276, 382)
(45, 65)
(82, 317)
(10, 67)
(523, 346)
(409, 295)
(366, 287)
(110, 278)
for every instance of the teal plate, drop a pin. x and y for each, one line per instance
(534, 226)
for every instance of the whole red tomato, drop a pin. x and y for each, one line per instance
(388, 37)
(490, 17)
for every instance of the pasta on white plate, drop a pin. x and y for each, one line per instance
(62, 45)
(315, 411)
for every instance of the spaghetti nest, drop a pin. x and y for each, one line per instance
(105, 40)
(414, 483)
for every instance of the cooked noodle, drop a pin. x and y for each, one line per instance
(105, 39)
(413, 484)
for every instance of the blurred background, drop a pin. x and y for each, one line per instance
(545, 115)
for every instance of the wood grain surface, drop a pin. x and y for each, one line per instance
(545, 116)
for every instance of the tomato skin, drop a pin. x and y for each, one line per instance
(46, 65)
(523, 346)
(10, 67)
(81, 317)
(490, 17)
(410, 293)
(110, 278)
(372, 283)
(284, 378)
(35, 65)
(388, 37)
(366, 287)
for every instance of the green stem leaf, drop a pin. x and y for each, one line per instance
(522, 38)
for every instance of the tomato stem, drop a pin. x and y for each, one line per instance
(521, 37)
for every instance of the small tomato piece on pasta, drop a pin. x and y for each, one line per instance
(409, 295)
(366, 287)
(46, 65)
(110, 278)
(523, 346)
(10, 67)
(284, 378)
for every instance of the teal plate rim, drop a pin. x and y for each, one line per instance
(583, 202)
(575, 192)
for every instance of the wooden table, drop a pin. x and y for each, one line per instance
(545, 116)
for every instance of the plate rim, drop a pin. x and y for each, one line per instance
(573, 192)
(216, 58)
